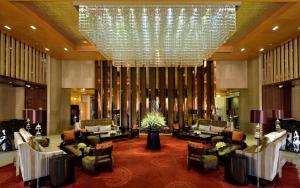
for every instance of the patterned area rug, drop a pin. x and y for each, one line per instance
(136, 167)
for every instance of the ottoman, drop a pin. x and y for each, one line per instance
(209, 162)
(89, 164)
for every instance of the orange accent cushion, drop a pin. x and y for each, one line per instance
(198, 145)
(69, 136)
(104, 145)
(237, 136)
(176, 126)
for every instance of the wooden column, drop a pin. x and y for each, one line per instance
(152, 84)
(97, 90)
(123, 89)
(114, 89)
(142, 92)
(180, 95)
(104, 89)
(162, 90)
(200, 90)
(171, 77)
(190, 89)
(210, 98)
(133, 96)
(2, 52)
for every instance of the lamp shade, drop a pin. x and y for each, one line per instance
(257, 116)
(277, 114)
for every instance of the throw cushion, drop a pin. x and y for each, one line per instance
(198, 145)
(104, 145)
(92, 128)
(135, 126)
(204, 127)
(34, 144)
(237, 136)
(216, 129)
(104, 128)
(69, 136)
(176, 126)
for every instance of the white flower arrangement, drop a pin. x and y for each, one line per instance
(153, 120)
(220, 145)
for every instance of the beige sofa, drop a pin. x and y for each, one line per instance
(270, 160)
(210, 126)
(33, 164)
(98, 125)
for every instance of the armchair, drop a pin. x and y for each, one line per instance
(135, 130)
(100, 159)
(199, 157)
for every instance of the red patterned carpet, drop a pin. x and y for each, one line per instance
(136, 167)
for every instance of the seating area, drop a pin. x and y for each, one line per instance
(167, 94)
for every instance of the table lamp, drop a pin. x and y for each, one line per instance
(277, 114)
(258, 117)
(38, 128)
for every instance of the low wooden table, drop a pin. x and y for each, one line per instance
(117, 136)
(206, 138)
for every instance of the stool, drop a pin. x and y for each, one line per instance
(62, 170)
(88, 164)
(209, 162)
(235, 169)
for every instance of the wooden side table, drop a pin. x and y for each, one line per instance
(235, 169)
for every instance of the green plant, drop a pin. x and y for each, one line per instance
(153, 120)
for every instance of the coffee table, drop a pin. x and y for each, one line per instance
(117, 136)
(206, 138)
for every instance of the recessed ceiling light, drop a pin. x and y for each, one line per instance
(275, 28)
(261, 50)
(242, 49)
(299, 28)
(27, 85)
(7, 27)
(33, 27)
(85, 42)
(47, 49)
(66, 49)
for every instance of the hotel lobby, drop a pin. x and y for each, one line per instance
(171, 94)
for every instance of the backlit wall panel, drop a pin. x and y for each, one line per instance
(21, 61)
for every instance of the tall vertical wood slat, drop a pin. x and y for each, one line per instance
(13, 58)
(282, 63)
(200, 90)
(286, 61)
(291, 60)
(298, 64)
(29, 63)
(271, 66)
(278, 64)
(171, 77)
(2, 52)
(33, 65)
(180, 96)
(274, 65)
(18, 59)
(133, 97)
(152, 85)
(264, 68)
(268, 68)
(22, 61)
(26, 63)
(142, 92)
(104, 89)
(209, 89)
(123, 100)
(295, 57)
(190, 81)
(37, 61)
(162, 90)
(7, 55)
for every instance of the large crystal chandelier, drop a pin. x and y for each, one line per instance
(161, 35)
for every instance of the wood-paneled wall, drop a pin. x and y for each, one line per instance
(21, 61)
(282, 63)
(172, 88)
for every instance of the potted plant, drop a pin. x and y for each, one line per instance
(153, 121)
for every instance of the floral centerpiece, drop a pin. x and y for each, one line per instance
(220, 145)
(153, 121)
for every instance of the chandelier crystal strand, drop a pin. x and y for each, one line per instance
(157, 35)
